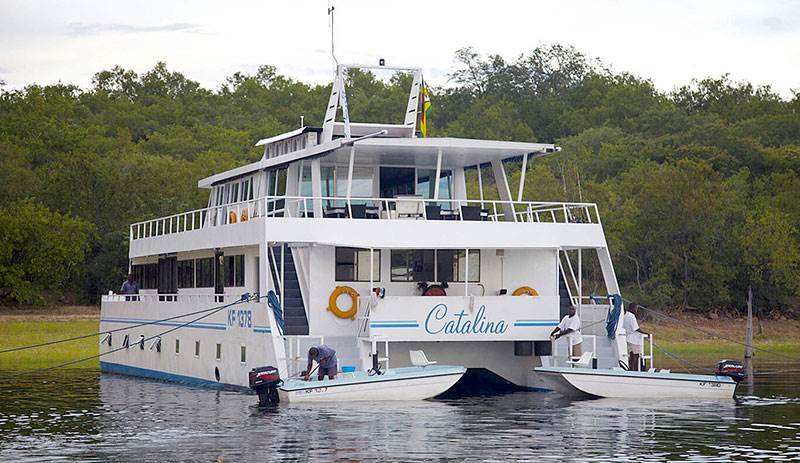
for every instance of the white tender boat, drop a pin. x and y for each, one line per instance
(410, 383)
(619, 383)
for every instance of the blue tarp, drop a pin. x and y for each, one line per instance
(613, 316)
(275, 303)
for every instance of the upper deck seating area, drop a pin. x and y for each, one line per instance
(400, 208)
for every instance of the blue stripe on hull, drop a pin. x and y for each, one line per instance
(119, 369)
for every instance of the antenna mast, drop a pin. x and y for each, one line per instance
(330, 13)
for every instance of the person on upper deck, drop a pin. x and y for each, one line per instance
(326, 359)
(129, 286)
(570, 325)
(634, 336)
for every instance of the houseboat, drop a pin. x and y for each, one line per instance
(367, 240)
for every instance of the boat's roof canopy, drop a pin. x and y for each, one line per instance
(418, 152)
(287, 135)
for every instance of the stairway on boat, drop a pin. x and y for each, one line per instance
(294, 312)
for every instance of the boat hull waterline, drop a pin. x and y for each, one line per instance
(576, 382)
(412, 383)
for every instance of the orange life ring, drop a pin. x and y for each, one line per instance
(232, 217)
(245, 214)
(333, 306)
(525, 291)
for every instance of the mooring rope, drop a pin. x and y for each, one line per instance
(678, 358)
(130, 327)
(245, 298)
(716, 335)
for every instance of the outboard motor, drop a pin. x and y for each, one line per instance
(266, 381)
(732, 368)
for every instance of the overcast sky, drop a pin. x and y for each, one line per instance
(670, 42)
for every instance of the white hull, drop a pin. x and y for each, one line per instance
(391, 386)
(637, 385)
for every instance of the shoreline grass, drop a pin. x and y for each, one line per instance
(21, 332)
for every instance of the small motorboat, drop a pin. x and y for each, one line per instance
(620, 383)
(408, 383)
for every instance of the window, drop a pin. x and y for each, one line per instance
(234, 198)
(413, 265)
(146, 275)
(362, 181)
(234, 270)
(204, 271)
(334, 181)
(460, 265)
(186, 273)
(177, 346)
(197, 348)
(434, 265)
(353, 265)
(219, 352)
(426, 187)
(126, 341)
(244, 354)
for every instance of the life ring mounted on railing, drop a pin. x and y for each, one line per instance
(525, 291)
(333, 305)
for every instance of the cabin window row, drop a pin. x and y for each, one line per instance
(126, 343)
(409, 265)
(194, 273)
(217, 351)
(392, 181)
(234, 192)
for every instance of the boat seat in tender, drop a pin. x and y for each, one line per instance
(583, 361)
(418, 359)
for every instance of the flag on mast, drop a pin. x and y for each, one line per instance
(426, 108)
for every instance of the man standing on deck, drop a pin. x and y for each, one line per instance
(326, 360)
(634, 336)
(571, 325)
(129, 286)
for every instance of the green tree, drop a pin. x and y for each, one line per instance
(40, 251)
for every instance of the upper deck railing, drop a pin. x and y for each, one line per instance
(399, 208)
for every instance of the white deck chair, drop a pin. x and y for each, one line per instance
(583, 362)
(409, 207)
(418, 359)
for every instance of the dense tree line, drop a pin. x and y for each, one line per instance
(698, 188)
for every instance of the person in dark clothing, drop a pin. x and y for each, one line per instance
(130, 286)
(325, 358)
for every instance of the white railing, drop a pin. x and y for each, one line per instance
(209, 298)
(401, 208)
(645, 356)
(570, 356)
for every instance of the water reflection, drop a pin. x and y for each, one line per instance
(82, 415)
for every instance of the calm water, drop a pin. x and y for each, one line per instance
(79, 415)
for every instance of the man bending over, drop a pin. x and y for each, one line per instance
(325, 358)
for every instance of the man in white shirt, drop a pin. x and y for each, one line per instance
(571, 325)
(634, 337)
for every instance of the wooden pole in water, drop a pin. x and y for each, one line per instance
(748, 341)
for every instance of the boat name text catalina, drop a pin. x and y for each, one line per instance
(438, 321)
